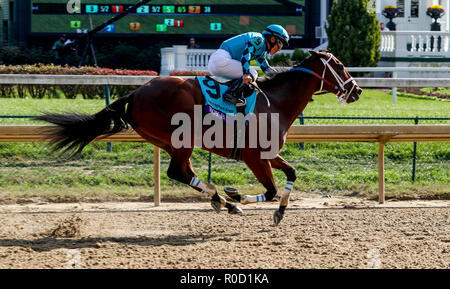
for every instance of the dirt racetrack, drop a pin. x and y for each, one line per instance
(315, 233)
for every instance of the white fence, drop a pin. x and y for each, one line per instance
(403, 82)
(412, 44)
(415, 44)
(179, 57)
(140, 80)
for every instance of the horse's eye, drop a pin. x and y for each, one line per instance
(340, 66)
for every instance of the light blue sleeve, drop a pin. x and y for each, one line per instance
(246, 57)
(264, 64)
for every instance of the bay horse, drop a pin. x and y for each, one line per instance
(150, 109)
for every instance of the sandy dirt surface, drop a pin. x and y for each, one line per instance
(316, 232)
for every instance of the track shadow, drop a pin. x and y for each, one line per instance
(49, 243)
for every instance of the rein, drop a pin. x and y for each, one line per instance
(341, 93)
(255, 86)
(307, 71)
(319, 77)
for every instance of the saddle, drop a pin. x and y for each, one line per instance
(213, 90)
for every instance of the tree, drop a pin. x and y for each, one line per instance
(354, 33)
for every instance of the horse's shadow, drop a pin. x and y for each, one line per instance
(50, 243)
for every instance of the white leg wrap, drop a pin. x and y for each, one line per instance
(253, 199)
(285, 195)
(195, 182)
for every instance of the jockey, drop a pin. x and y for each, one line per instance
(232, 59)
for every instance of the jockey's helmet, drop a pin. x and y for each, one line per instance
(279, 32)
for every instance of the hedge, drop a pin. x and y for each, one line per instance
(69, 91)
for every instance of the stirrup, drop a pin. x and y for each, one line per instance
(234, 92)
(237, 101)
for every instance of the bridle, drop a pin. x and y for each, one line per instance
(342, 94)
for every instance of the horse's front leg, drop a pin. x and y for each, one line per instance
(180, 169)
(217, 201)
(289, 171)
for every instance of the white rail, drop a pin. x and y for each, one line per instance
(402, 82)
(398, 69)
(197, 59)
(179, 57)
(415, 43)
(140, 80)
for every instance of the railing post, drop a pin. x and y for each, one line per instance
(416, 121)
(167, 60)
(180, 52)
(394, 89)
(156, 173)
(209, 167)
(381, 194)
(302, 122)
(107, 94)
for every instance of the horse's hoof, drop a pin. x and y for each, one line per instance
(232, 193)
(235, 211)
(277, 217)
(217, 206)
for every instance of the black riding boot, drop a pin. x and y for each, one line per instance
(234, 93)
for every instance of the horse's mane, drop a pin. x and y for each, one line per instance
(283, 75)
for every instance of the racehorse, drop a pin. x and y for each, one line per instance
(150, 109)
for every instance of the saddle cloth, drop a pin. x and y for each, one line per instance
(213, 91)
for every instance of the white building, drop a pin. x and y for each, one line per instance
(413, 15)
(413, 44)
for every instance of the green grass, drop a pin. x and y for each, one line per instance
(30, 169)
(24, 106)
(372, 103)
(377, 104)
(437, 90)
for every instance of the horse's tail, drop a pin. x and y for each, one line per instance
(73, 131)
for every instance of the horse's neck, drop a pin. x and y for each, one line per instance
(290, 98)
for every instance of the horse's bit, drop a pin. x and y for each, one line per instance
(342, 93)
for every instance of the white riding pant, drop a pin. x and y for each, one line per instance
(221, 64)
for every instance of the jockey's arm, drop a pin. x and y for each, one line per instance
(264, 64)
(245, 60)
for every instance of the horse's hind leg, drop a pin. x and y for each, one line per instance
(180, 169)
(289, 171)
(262, 170)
